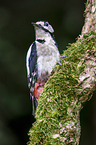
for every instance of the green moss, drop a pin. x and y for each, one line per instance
(57, 116)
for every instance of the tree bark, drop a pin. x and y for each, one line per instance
(90, 17)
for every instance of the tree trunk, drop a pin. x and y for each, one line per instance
(90, 17)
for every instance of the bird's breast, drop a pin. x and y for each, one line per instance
(47, 56)
(46, 63)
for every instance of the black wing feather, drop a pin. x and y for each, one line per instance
(33, 75)
(33, 58)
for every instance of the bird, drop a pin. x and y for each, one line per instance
(42, 56)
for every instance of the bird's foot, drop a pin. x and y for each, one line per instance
(61, 59)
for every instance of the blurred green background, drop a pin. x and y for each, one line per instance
(16, 35)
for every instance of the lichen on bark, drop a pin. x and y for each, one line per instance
(90, 17)
(69, 86)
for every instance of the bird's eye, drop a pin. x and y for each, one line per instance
(46, 24)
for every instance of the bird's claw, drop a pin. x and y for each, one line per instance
(61, 59)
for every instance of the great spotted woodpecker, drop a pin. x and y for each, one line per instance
(42, 56)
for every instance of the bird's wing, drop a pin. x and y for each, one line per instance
(31, 64)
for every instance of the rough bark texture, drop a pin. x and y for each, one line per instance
(88, 77)
(73, 83)
(90, 17)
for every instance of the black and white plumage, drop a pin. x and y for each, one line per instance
(42, 56)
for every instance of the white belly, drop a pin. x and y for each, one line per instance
(46, 64)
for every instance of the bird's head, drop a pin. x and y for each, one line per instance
(43, 25)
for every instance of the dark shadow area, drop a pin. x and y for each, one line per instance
(20, 126)
(88, 122)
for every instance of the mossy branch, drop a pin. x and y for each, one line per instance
(57, 116)
(73, 83)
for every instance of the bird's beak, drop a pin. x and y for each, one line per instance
(35, 25)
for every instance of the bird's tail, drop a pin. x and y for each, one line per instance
(34, 104)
